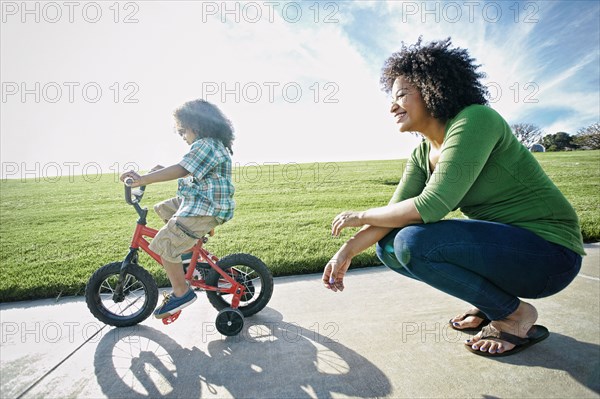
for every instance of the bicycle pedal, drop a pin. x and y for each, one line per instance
(170, 319)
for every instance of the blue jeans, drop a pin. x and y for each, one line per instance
(489, 265)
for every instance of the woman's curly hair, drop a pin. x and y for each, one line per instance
(447, 78)
(205, 120)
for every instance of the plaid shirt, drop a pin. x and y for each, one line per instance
(208, 190)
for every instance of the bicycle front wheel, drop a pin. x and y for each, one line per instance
(139, 290)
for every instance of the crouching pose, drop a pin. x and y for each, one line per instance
(522, 238)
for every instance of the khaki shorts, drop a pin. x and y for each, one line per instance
(175, 237)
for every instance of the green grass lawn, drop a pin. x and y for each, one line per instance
(55, 233)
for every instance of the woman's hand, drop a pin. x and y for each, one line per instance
(133, 176)
(346, 219)
(335, 270)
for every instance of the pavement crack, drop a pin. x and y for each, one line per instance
(47, 373)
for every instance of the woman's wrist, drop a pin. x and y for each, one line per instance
(347, 250)
(363, 217)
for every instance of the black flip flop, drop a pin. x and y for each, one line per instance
(535, 334)
(479, 314)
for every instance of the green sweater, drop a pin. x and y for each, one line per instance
(489, 175)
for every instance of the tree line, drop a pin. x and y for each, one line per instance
(586, 138)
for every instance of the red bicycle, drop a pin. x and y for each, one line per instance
(124, 294)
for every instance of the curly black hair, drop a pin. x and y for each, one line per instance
(447, 78)
(205, 120)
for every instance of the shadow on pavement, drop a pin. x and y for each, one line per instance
(580, 359)
(269, 358)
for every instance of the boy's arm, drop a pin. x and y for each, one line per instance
(165, 174)
(169, 173)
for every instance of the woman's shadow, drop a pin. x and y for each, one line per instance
(580, 359)
(269, 358)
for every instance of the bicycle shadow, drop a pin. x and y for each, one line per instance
(269, 358)
(580, 359)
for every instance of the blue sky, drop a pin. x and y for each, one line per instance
(92, 88)
(550, 48)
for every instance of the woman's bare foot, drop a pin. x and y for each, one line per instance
(467, 320)
(517, 323)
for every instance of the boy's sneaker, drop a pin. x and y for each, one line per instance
(172, 304)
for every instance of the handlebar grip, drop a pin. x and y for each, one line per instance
(138, 195)
(128, 183)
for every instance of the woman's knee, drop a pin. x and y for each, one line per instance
(408, 244)
(387, 254)
(385, 251)
(396, 245)
(386, 244)
(380, 250)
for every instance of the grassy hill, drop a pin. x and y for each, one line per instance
(55, 232)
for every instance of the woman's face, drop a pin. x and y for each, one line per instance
(408, 107)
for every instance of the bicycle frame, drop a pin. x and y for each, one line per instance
(199, 253)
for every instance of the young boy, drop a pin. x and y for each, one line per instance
(204, 194)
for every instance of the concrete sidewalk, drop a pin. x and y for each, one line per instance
(384, 336)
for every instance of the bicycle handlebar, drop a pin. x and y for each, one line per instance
(135, 197)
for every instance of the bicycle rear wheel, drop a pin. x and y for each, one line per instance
(139, 290)
(247, 270)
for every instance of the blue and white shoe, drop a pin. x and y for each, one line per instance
(172, 304)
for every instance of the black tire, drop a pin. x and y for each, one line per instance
(229, 322)
(141, 295)
(252, 273)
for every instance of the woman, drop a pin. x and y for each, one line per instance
(522, 238)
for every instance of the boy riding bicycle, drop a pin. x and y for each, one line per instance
(204, 194)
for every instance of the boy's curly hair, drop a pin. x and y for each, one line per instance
(205, 120)
(447, 78)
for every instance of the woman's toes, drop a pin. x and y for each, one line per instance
(471, 321)
(500, 348)
(475, 344)
(493, 347)
(461, 324)
(465, 321)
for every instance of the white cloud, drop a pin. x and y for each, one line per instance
(296, 92)
(177, 51)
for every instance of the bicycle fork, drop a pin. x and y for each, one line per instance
(118, 294)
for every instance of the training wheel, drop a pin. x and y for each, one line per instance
(170, 319)
(229, 321)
